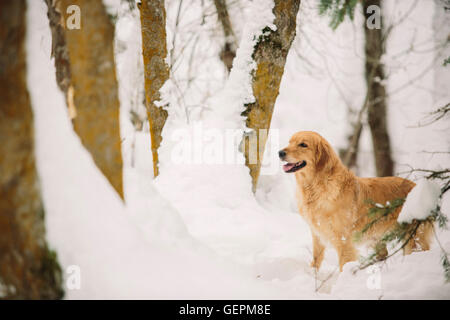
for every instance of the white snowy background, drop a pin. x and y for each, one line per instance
(197, 230)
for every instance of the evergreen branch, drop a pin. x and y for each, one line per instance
(379, 212)
(446, 62)
(337, 10)
(404, 233)
(387, 238)
(444, 258)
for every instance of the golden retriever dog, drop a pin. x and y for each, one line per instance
(334, 201)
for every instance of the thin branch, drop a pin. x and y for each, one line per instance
(432, 174)
(437, 115)
(411, 236)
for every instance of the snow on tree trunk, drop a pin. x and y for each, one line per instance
(28, 270)
(154, 51)
(374, 49)
(270, 53)
(85, 72)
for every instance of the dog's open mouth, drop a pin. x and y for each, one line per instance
(292, 167)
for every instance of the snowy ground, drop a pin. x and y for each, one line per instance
(197, 231)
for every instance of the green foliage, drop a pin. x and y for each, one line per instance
(369, 260)
(446, 61)
(337, 10)
(438, 216)
(113, 17)
(445, 266)
(401, 234)
(51, 271)
(398, 237)
(377, 213)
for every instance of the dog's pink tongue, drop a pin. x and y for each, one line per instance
(288, 166)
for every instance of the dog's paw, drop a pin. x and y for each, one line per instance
(314, 265)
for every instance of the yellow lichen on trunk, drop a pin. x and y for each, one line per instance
(154, 51)
(94, 105)
(28, 270)
(270, 55)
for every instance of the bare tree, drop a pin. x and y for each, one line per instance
(229, 49)
(154, 50)
(85, 72)
(376, 95)
(28, 269)
(270, 55)
(349, 156)
(375, 103)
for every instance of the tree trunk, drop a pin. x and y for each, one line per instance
(154, 51)
(270, 55)
(350, 156)
(59, 46)
(229, 49)
(85, 71)
(374, 49)
(28, 270)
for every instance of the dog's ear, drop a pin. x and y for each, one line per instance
(323, 155)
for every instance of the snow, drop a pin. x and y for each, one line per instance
(238, 89)
(422, 199)
(197, 230)
(88, 225)
(417, 276)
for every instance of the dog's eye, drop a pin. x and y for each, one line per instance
(303, 145)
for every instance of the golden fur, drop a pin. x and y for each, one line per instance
(334, 201)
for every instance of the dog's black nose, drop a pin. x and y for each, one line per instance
(282, 154)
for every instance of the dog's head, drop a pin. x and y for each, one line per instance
(309, 152)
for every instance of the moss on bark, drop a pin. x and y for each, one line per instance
(85, 71)
(28, 270)
(270, 55)
(154, 51)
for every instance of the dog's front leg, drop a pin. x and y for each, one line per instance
(346, 252)
(318, 252)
